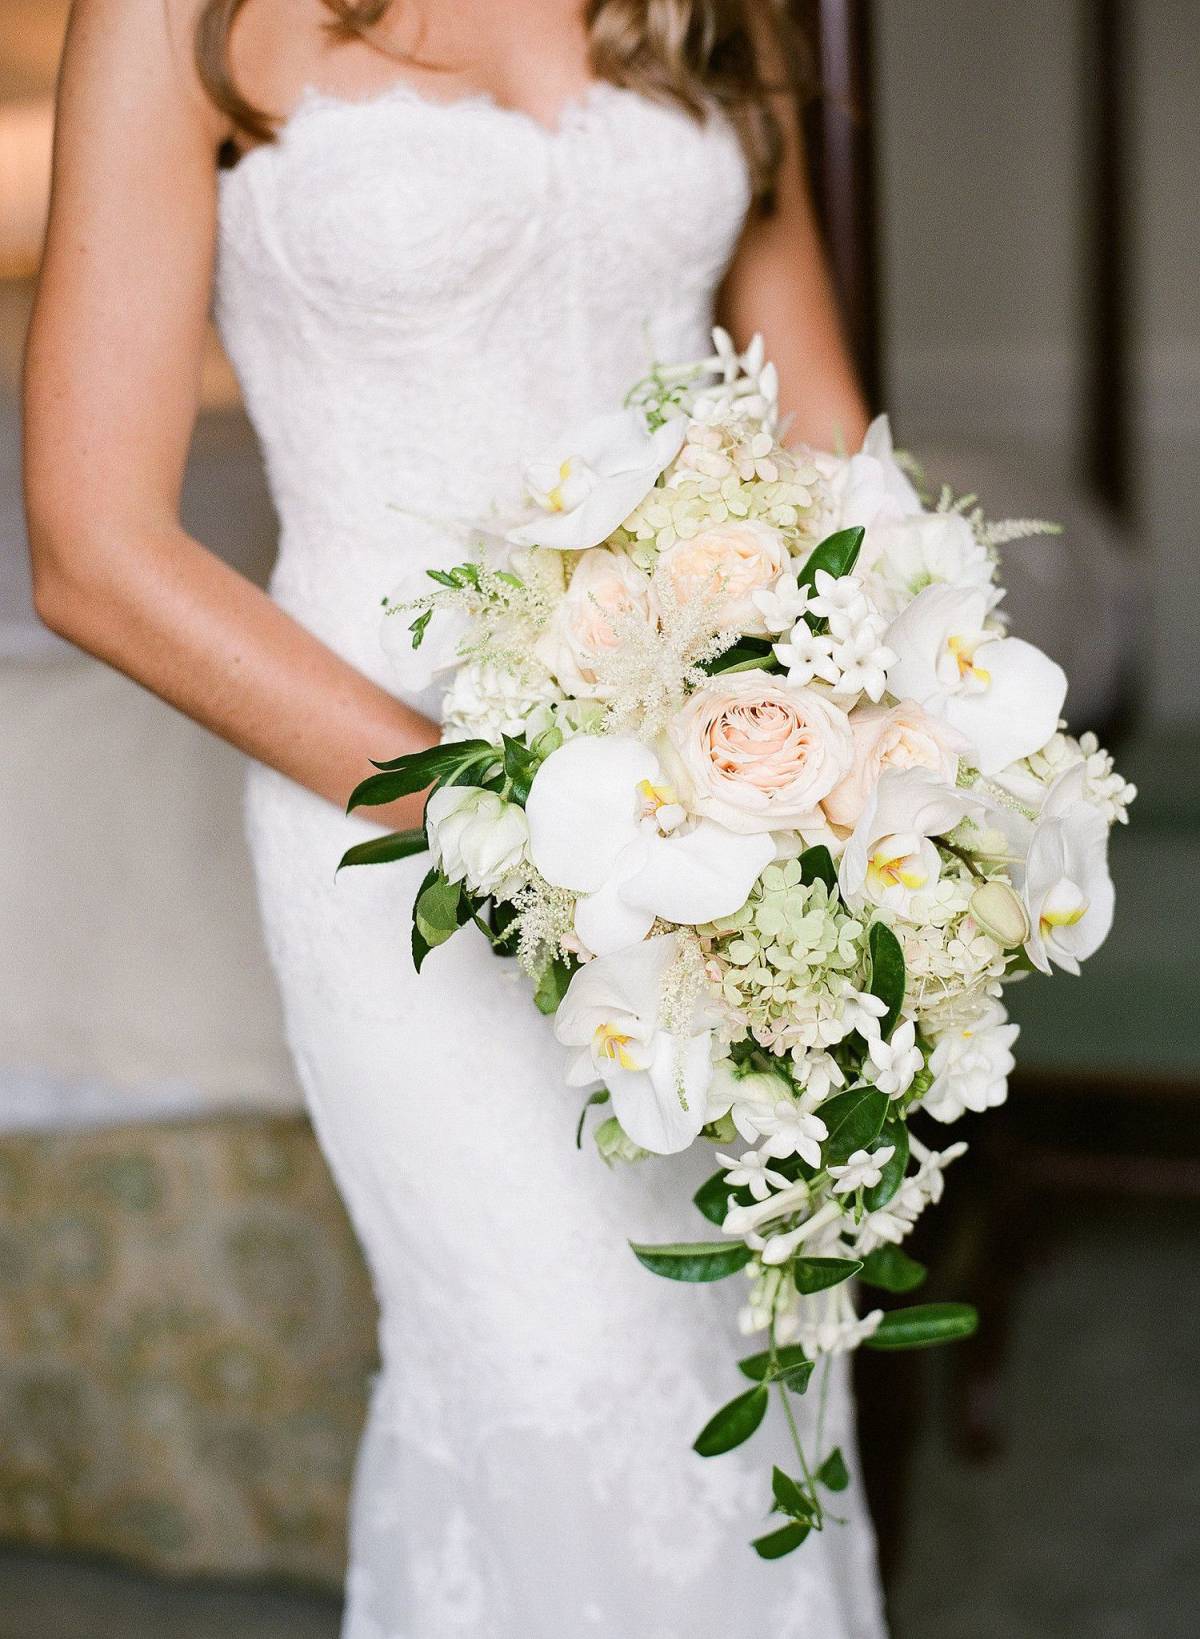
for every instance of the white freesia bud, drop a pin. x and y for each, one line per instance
(477, 837)
(1000, 913)
(615, 1144)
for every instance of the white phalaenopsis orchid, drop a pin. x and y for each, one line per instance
(588, 483)
(1068, 891)
(889, 856)
(611, 1015)
(604, 823)
(1000, 692)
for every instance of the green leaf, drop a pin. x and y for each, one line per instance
(923, 1325)
(520, 765)
(892, 1270)
(712, 1198)
(436, 912)
(425, 766)
(895, 1133)
(694, 1261)
(789, 1366)
(781, 1542)
(502, 919)
(733, 1424)
(817, 1274)
(379, 850)
(420, 949)
(601, 1096)
(833, 1473)
(816, 865)
(836, 555)
(748, 654)
(887, 973)
(552, 986)
(854, 1120)
(791, 1497)
(419, 627)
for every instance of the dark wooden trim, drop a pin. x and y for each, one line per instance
(1107, 382)
(842, 166)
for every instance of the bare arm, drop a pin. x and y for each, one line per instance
(111, 391)
(779, 284)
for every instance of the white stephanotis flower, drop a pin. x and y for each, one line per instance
(862, 1170)
(889, 857)
(752, 1171)
(891, 1065)
(863, 660)
(793, 1127)
(971, 1065)
(1003, 694)
(588, 483)
(807, 656)
(840, 601)
(859, 1011)
(658, 1081)
(817, 1072)
(1068, 891)
(604, 823)
(781, 606)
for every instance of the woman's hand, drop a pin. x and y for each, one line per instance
(111, 394)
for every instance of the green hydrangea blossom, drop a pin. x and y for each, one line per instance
(788, 957)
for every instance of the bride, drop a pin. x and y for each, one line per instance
(440, 230)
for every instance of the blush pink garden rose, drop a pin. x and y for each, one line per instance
(728, 564)
(758, 753)
(606, 590)
(901, 736)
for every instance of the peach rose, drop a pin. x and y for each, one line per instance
(900, 736)
(728, 564)
(606, 588)
(757, 753)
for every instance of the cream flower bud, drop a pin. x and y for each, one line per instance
(999, 912)
(474, 835)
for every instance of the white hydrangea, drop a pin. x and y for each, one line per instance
(486, 700)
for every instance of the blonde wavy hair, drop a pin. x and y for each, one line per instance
(739, 53)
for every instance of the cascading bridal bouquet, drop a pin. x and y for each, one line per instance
(743, 766)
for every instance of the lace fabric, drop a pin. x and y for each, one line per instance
(414, 296)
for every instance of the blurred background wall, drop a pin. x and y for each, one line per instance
(185, 1329)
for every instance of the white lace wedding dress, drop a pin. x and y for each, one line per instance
(414, 294)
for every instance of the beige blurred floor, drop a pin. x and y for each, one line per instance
(1085, 1528)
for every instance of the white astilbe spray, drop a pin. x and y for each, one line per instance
(545, 923)
(648, 675)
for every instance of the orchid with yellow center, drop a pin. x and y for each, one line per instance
(592, 479)
(1068, 891)
(658, 1081)
(1001, 693)
(605, 823)
(889, 856)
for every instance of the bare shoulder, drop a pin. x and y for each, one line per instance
(126, 59)
(278, 48)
